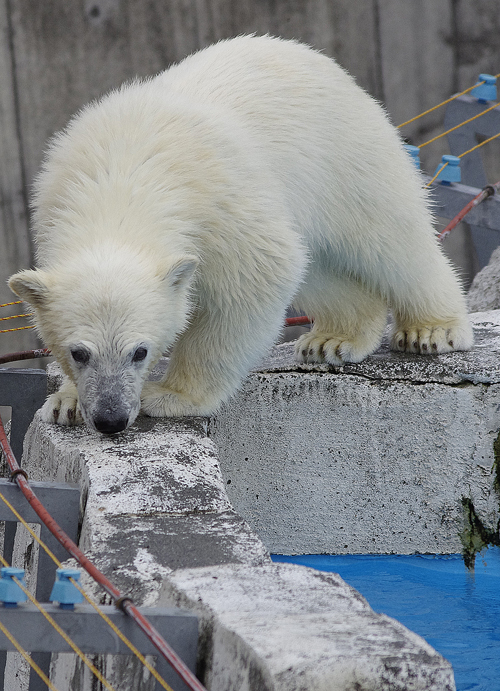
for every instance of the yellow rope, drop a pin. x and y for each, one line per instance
(478, 146)
(60, 631)
(28, 659)
(437, 173)
(465, 122)
(30, 530)
(443, 103)
(16, 316)
(19, 328)
(116, 630)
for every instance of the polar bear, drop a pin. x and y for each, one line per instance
(190, 209)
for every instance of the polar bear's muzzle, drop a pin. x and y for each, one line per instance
(111, 414)
(111, 422)
(109, 404)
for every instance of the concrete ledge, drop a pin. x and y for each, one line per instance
(153, 498)
(282, 627)
(154, 505)
(392, 455)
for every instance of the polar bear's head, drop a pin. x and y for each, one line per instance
(107, 322)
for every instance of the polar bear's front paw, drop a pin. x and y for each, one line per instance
(61, 408)
(159, 401)
(432, 340)
(317, 346)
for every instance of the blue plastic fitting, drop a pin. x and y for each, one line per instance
(414, 152)
(10, 591)
(487, 91)
(451, 173)
(63, 591)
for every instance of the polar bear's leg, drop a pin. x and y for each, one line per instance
(61, 408)
(431, 339)
(429, 335)
(428, 305)
(348, 321)
(243, 289)
(208, 363)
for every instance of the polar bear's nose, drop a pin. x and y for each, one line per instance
(110, 424)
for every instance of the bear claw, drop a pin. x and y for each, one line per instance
(427, 340)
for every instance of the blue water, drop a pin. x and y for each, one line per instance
(457, 612)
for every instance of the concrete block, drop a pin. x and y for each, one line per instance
(153, 498)
(484, 293)
(280, 627)
(392, 455)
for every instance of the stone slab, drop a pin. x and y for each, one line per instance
(153, 498)
(479, 365)
(137, 553)
(167, 466)
(282, 627)
(484, 293)
(385, 456)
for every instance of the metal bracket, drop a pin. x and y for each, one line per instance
(463, 139)
(25, 391)
(84, 625)
(92, 635)
(63, 503)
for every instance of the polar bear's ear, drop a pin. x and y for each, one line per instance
(30, 286)
(180, 274)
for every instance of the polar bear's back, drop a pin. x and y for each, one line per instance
(329, 142)
(292, 131)
(288, 95)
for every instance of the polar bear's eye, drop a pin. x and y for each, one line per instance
(140, 354)
(80, 356)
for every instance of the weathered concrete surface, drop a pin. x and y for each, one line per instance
(153, 498)
(282, 627)
(392, 455)
(484, 293)
(155, 506)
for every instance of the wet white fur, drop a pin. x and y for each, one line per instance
(193, 207)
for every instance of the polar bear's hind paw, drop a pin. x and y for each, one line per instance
(432, 340)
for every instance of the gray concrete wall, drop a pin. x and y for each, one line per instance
(388, 456)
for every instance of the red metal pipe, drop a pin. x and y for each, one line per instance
(24, 355)
(297, 321)
(488, 191)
